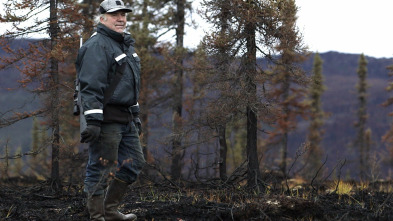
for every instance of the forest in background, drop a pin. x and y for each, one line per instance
(249, 125)
(250, 98)
(339, 101)
(157, 202)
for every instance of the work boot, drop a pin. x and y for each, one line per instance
(114, 196)
(95, 206)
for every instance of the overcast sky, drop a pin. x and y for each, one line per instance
(349, 26)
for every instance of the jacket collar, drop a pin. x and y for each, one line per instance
(121, 38)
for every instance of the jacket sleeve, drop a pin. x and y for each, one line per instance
(94, 65)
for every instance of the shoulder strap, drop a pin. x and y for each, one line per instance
(111, 88)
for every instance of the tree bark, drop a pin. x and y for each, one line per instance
(223, 152)
(362, 117)
(178, 92)
(54, 73)
(284, 141)
(250, 65)
(222, 66)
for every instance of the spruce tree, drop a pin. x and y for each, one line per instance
(256, 28)
(150, 19)
(39, 61)
(177, 103)
(222, 59)
(38, 162)
(388, 136)
(361, 124)
(218, 45)
(313, 159)
(35, 144)
(289, 82)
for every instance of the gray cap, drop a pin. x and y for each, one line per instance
(109, 6)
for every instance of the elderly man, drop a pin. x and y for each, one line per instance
(113, 126)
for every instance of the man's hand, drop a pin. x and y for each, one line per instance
(138, 125)
(90, 134)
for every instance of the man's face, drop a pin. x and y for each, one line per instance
(115, 21)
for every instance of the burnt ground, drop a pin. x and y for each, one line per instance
(38, 201)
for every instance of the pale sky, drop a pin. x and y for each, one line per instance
(348, 26)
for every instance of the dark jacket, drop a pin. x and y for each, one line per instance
(96, 66)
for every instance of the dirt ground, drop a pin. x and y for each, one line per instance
(38, 201)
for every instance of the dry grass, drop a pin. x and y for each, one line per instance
(343, 188)
(345, 200)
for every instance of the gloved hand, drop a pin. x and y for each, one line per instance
(138, 125)
(90, 134)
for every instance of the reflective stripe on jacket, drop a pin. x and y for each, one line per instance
(96, 65)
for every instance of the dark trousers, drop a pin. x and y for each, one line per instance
(117, 152)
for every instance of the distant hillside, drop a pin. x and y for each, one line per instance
(339, 100)
(14, 99)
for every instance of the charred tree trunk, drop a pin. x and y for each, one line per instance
(250, 66)
(362, 117)
(284, 141)
(223, 65)
(178, 92)
(223, 152)
(145, 85)
(54, 92)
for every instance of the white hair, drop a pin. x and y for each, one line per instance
(98, 18)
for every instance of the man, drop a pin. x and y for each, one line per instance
(113, 128)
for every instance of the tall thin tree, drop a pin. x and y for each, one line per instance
(362, 115)
(289, 80)
(149, 19)
(388, 136)
(218, 43)
(177, 106)
(39, 61)
(255, 26)
(250, 65)
(223, 62)
(54, 84)
(315, 132)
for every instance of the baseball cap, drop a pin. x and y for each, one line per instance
(109, 6)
